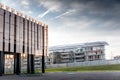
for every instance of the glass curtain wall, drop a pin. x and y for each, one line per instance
(9, 64)
(23, 45)
(21, 36)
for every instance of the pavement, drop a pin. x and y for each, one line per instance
(66, 76)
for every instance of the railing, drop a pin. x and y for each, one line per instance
(85, 63)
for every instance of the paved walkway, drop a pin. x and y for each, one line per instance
(66, 76)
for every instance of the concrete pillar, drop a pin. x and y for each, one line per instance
(17, 63)
(93, 57)
(32, 64)
(1, 63)
(86, 58)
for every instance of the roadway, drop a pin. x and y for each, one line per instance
(66, 76)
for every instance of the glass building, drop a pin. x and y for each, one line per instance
(77, 52)
(22, 39)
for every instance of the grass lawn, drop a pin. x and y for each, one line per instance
(115, 67)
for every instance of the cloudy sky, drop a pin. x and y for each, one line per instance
(76, 21)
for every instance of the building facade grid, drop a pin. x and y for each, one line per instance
(22, 37)
(77, 53)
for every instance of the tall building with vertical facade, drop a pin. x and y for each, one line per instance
(22, 41)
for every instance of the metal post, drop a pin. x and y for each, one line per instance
(43, 60)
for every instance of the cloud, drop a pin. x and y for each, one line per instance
(76, 21)
(7, 2)
(63, 14)
(101, 17)
(53, 5)
(45, 13)
(58, 6)
(25, 4)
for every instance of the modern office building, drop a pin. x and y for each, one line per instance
(77, 52)
(22, 40)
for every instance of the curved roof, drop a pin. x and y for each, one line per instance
(78, 45)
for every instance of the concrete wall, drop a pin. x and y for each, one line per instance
(86, 63)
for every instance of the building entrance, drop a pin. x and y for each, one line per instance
(9, 64)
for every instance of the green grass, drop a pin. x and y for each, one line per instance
(115, 67)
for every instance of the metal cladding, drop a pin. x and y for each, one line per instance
(21, 14)
(24, 38)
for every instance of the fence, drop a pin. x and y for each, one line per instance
(86, 63)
